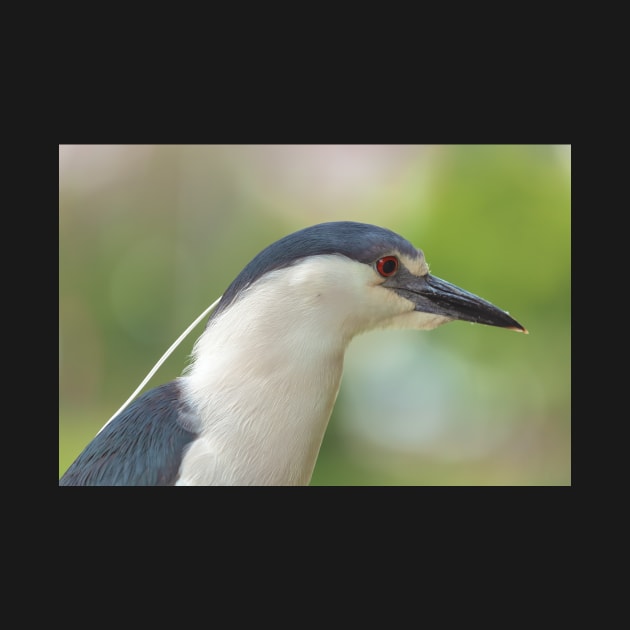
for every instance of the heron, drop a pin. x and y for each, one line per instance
(252, 406)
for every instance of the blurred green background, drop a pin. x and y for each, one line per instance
(151, 235)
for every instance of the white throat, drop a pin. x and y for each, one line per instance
(265, 378)
(267, 369)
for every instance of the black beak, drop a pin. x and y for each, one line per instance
(433, 295)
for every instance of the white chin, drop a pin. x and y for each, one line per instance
(415, 320)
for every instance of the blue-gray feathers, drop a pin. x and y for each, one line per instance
(142, 446)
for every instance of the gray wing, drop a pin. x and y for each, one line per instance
(142, 446)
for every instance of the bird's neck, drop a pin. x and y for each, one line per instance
(264, 385)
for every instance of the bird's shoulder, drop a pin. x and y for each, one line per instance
(143, 445)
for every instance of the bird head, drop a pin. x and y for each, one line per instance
(344, 278)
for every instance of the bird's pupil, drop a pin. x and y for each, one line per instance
(389, 266)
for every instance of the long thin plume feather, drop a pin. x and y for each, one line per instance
(165, 356)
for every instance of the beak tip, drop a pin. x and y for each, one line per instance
(519, 328)
(514, 325)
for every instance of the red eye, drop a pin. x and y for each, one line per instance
(387, 266)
